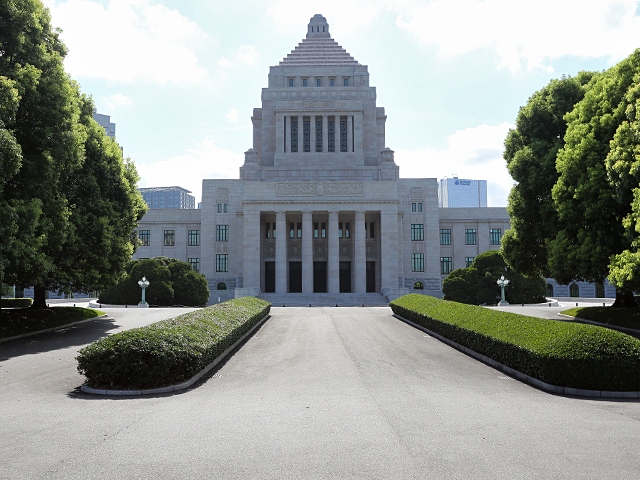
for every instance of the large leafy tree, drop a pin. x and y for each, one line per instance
(594, 190)
(68, 199)
(530, 152)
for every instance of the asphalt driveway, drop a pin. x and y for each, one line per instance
(315, 393)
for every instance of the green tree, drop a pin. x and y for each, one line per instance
(530, 152)
(594, 190)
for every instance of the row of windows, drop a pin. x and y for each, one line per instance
(471, 236)
(320, 230)
(193, 238)
(306, 83)
(332, 123)
(222, 208)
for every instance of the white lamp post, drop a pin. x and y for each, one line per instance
(503, 282)
(144, 283)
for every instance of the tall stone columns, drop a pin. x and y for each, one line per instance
(279, 130)
(349, 133)
(307, 252)
(300, 134)
(325, 133)
(281, 252)
(389, 250)
(251, 248)
(336, 131)
(358, 134)
(333, 254)
(312, 133)
(359, 254)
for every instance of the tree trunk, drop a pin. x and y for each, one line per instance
(39, 297)
(624, 299)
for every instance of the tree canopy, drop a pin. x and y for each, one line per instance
(580, 223)
(69, 202)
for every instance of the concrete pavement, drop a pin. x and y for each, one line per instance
(315, 393)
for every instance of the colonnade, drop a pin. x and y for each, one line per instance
(294, 126)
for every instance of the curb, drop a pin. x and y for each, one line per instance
(518, 375)
(53, 329)
(598, 324)
(179, 386)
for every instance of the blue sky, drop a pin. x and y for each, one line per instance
(181, 78)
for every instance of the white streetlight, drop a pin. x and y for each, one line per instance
(144, 283)
(503, 282)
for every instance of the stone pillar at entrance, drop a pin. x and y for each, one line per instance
(307, 253)
(333, 255)
(251, 247)
(281, 252)
(360, 255)
(389, 250)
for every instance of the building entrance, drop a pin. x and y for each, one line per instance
(345, 277)
(320, 277)
(269, 277)
(295, 277)
(371, 277)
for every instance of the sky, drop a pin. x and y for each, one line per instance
(181, 78)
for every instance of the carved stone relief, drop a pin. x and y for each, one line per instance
(295, 250)
(416, 192)
(269, 250)
(308, 189)
(418, 247)
(371, 249)
(319, 104)
(222, 247)
(222, 195)
(319, 251)
(345, 251)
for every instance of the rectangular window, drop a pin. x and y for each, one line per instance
(291, 82)
(323, 230)
(292, 230)
(470, 236)
(294, 134)
(316, 231)
(224, 208)
(372, 230)
(446, 265)
(305, 82)
(195, 264)
(145, 237)
(347, 230)
(343, 135)
(332, 82)
(495, 235)
(417, 262)
(299, 230)
(222, 233)
(318, 82)
(340, 230)
(193, 239)
(267, 230)
(273, 230)
(445, 236)
(331, 134)
(306, 134)
(222, 262)
(345, 82)
(468, 261)
(417, 231)
(319, 134)
(219, 208)
(169, 238)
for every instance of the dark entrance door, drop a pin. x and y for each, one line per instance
(345, 277)
(320, 277)
(295, 277)
(371, 276)
(269, 277)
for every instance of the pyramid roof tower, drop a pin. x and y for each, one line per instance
(318, 48)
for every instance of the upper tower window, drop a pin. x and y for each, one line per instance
(305, 82)
(345, 81)
(332, 82)
(290, 82)
(318, 82)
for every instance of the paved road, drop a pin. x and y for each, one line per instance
(315, 393)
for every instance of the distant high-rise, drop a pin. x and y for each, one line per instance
(105, 122)
(461, 193)
(168, 197)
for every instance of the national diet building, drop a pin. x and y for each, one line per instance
(319, 206)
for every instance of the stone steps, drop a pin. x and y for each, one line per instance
(325, 299)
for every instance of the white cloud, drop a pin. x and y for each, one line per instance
(473, 153)
(118, 100)
(523, 33)
(233, 115)
(128, 41)
(247, 55)
(206, 160)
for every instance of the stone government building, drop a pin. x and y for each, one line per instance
(319, 206)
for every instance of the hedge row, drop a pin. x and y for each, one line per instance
(171, 351)
(559, 353)
(16, 302)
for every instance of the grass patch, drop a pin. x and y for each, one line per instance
(26, 320)
(559, 353)
(616, 317)
(170, 351)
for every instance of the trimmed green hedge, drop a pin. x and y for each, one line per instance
(559, 353)
(171, 351)
(16, 302)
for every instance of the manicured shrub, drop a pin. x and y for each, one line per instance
(16, 302)
(171, 351)
(559, 353)
(190, 288)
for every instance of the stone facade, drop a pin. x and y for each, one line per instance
(319, 205)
